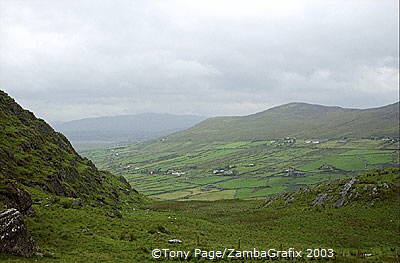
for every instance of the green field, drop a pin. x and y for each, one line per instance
(252, 169)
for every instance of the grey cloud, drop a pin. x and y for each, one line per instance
(74, 59)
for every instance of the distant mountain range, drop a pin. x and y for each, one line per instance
(299, 120)
(88, 132)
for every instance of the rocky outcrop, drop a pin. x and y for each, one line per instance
(365, 189)
(345, 193)
(14, 236)
(347, 187)
(320, 200)
(15, 197)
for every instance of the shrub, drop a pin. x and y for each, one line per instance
(66, 203)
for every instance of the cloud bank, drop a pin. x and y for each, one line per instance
(74, 59)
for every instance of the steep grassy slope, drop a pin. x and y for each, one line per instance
(32, 154)
(299, 120)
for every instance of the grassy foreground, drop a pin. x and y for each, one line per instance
(369, 224)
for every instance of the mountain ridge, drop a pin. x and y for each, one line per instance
(300, 120)
(124, 128)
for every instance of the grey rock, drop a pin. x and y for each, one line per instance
(340, 202)
(320, 200)
(85, 230)
(14, 236)
(115, 214)
(17, 198)
(374, 192)
(112, 215)
(270, 201)
(347, 187)
(290, 199)
(174, 241)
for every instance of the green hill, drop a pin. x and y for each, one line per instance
(299, 120)
(39, 166)
(32, 154)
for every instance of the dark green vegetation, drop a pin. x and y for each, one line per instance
(299, 120)
(368, 224)
(251, 169)
(105, 131)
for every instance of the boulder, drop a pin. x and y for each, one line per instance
(14, 236)
(340, 202)
(174, 241)
(17, 198)
(320, 200)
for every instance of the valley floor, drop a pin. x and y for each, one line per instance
(241, 170)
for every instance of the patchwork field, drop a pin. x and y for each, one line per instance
(240, 170)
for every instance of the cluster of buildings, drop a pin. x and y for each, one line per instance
(175, 172)
(327, 167)
(289, 140)
(312, 141)
(294, 172)
(223, 172)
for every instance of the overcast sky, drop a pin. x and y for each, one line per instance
(73, 59)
